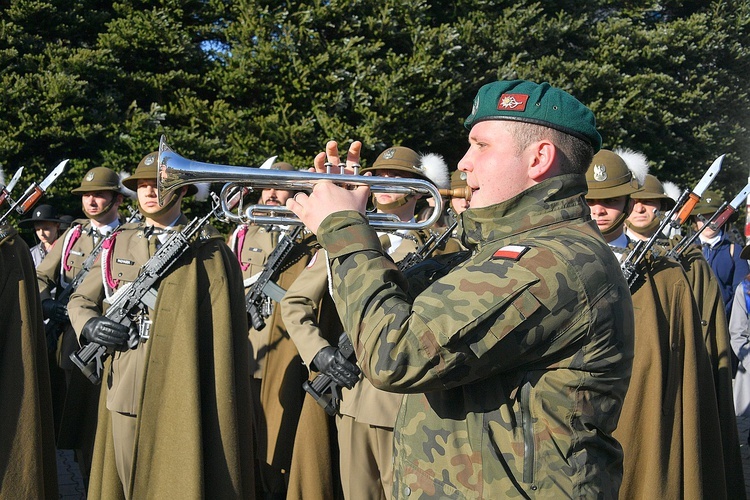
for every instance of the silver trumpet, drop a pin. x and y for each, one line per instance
(176, 171)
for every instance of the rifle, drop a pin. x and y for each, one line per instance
(717, 219)
(126, 305)
(428, 248)
(322, 388)
(258, 298)
(53, 328)
(34, 192)
(685, 204)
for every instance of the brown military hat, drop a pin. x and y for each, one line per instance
(654, 190)
(709, 203)
(399, 158)
(458, 179)
(99, 179)
(608, 176)
(147, 170)
(282, 165)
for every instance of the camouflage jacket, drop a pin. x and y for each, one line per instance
(516, 362)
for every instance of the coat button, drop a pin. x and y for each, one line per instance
(407, 491)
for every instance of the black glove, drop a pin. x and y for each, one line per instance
(106, 332)
(330, 361)
(54, 310)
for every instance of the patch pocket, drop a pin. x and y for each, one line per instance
(513, 317)
(124, 269)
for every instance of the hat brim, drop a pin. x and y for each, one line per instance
(31, 221)
(132, 184)
(79, 190)
(745, 253)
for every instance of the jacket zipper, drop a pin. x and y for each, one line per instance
(528, 434)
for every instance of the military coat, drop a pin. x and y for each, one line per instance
(188, 384)
(669, 427)
(515, 362)
(277, 363)
(28, 467)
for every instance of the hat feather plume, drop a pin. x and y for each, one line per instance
(636, 161)
(2, 176)
(435, 168)
(203, 191)
(672, 190)
(125, 191)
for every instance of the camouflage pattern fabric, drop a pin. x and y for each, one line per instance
(516, 361)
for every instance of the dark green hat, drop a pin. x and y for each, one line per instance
(709, 203)
(147, 170)
(399, 158)
(539, 103)
(99, 179)
(608, 176)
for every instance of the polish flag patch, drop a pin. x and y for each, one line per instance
(510, 252)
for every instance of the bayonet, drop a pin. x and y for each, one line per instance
(34, 192)
(5, 192)
(695, 196)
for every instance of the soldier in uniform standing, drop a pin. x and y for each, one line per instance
(276, 369)
(27, 440)
(669, 428)
(100, 200)
(514, 359)
(650, 203)
(367, 415)
(177, 404)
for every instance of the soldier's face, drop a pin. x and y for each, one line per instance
(495, 170)
(46, 231)
(385, 198)
(95, 202)
(644, 212)
(606, 211)
(707, 233)
(276, 197)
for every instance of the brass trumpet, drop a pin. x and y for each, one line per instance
(174, 171)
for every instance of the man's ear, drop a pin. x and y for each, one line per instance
(543, 160)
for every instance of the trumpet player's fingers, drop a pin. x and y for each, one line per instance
(353, 155)
(326, 199)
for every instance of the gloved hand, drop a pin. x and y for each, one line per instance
(330, 361)
(106, 332)
(54, 310)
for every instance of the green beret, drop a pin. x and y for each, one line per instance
(538, 103)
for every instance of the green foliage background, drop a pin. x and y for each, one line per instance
(234, 82)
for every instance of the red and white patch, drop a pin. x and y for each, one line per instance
(510, 252)
(512, 102)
